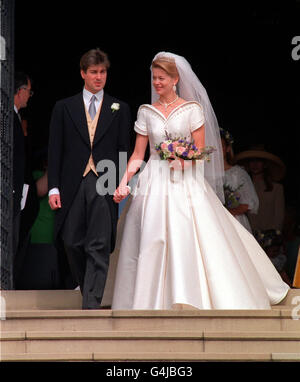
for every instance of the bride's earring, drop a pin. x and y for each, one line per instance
(174, 88)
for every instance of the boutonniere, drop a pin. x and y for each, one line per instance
(115, 106)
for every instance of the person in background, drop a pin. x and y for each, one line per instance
(44, 266)
(25, 202)
(239, 192)
(266, 170)
(21, 96)
(272, 242)
(42, 230)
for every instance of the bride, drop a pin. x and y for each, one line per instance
(180, 246)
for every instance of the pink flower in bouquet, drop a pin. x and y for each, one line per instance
(175, 144)
(164, 146)
(180, 150)
(191, 154)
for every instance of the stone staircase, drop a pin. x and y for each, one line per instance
(50, 326)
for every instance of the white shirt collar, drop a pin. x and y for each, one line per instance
(16, 109)
(87, 96)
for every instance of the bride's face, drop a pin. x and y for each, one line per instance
(162, 82)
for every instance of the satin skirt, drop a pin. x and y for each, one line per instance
(180, 246)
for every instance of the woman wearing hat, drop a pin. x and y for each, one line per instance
(266, 171)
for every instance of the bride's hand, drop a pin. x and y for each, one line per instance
(179, 164)
(121, 193)
(176, 164)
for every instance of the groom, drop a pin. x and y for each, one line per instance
(85, 129)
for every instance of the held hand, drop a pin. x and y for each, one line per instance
(54, 201)
(121, 193)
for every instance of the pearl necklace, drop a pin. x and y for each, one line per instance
(166, 105)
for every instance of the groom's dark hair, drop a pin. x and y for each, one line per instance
(94, 57)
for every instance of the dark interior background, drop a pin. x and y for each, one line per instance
(241, 53)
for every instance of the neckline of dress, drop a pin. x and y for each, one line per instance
(177, 107)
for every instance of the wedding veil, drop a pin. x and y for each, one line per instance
(190, 89)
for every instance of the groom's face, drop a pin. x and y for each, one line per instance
(94, 78)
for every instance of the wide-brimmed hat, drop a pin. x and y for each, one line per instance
(276, 166)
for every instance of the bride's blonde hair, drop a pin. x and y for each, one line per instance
(168, 65)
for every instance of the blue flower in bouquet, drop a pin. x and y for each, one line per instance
(170, 147)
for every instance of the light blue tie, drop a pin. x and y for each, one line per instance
(92, 108)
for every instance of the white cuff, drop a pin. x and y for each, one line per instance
(53, 191)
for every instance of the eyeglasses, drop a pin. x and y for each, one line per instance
(29, 90)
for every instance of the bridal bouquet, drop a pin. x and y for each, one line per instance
(173, 148)
(232, 196)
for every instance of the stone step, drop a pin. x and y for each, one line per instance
(71, 299)
(66, 342)
(41, 299)
(50, 325)
(157, 320)
(248, 342)
(99, 342)
(155, 356)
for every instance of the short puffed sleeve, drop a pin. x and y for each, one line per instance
(196, 117)
(140, 125)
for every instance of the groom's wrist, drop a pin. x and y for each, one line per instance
(53, 191)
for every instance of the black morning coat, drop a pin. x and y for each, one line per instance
(70, 149)
(18, 164)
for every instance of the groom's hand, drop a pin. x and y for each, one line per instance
(121, 193)
(54, 201)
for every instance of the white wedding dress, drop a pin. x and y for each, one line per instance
(179, 244)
